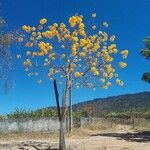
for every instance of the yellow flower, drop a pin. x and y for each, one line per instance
(102, 80)
(105, 87)
(105, 24)
(122, 64)
(93, 27)
(105, 74)
(124, 54)
(18, 56)
(26, 28)
(78, 74)
(108, 83)
(32, 38)
(39, 37)
(112, 38)
(115, 50)
(82, 54)
(46, 59)
(20, 39)
(96, 73)
(83, 42)
(28, 53)
(33, 28)
(44, 47)
(62, 46)
(43, 21)
(79, 19)
(73, 21)
(93, 15)
(93, 69)
(118, 80)
(34, 54)
(33, 33)
(27, 62)
(63, 56)
(81, 26)
(29, 44)
(121, 83)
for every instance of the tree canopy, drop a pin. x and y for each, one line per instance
(80, 55)
(146, 53)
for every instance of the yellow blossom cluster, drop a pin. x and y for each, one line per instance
(119, 82)
(78, 74)
(28, 29)
(44, 47)
(43, 21)
(105, 55)
(78, 20)
(124, 54)
(112, 49)
(95, 71)
(112, 38)
(109, 68)
(75, 20)
(122, 64)
(74, 49)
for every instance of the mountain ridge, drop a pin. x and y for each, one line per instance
(100, 106)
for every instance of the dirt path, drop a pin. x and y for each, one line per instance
(120, 139)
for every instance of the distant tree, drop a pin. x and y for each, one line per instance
(146, 53)
(6, 39)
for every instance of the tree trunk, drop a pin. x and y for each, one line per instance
(70, 110)
(62, 144)
(65, 115)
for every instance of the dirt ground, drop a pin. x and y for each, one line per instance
(119, 138)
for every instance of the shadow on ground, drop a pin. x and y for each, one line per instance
(133, 137)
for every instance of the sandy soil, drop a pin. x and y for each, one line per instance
(120, 138)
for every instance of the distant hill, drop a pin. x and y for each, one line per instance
(97, 107)
(100, 106)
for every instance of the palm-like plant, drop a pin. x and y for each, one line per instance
(146, 53)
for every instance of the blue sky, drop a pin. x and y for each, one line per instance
(129, 21)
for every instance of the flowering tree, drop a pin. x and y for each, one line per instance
(73, 54)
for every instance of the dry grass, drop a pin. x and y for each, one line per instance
(97, 126)
(28, 136)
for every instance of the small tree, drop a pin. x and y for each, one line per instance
(146, 53)
(73, 54)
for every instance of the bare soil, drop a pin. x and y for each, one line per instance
(118, 138)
